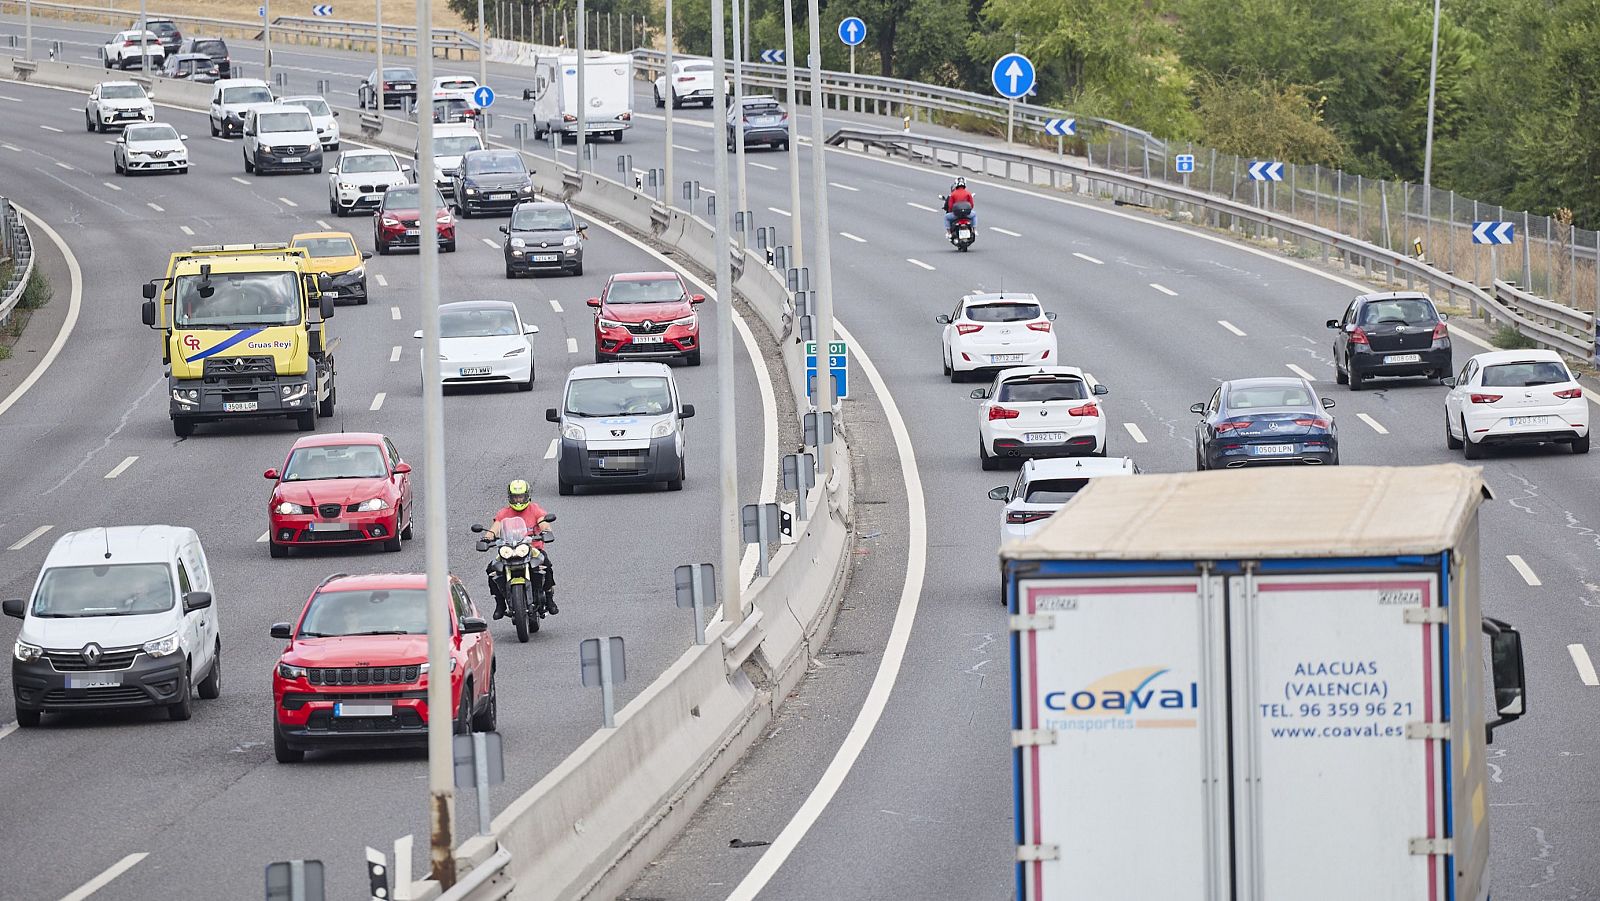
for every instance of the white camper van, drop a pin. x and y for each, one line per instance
(608, 82)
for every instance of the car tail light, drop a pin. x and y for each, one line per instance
(1440, 331)
(1085, 410)
(1023, 517)
(1045, 355)
(129, 43)
(569, 118)
(1312, 422)
(1569, 393)
(967, 328)
(1040, 326)
(1486, 398)
(1358, 336)
(1229, 425)
(626, 117)
(1002, 413)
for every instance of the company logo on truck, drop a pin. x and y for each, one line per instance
(1147, 697)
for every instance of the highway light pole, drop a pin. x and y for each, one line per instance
(666, 84)
(731, 547)
(27, 18)
(821, 274)
(738, 123)
(1427, 150)
(483, 49)
(266, 38)
(378, 26)
(582, 97)
(441, 713)
(796, 228)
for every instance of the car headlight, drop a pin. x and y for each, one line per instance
(376, 503)
(526, 189)
(472, 191)
(515, 352)
(186, 396)
(443, 218)
(161, 647)
(522, 550)
(390, 222)
(288, 509)
(573, 433)
(506, 553)
(290, 671)
(609, 323)
(26, 652)
(425, 666)
(264, 148)
(518, 242)
(661, 429)
(294, 391)
(689, 321)
(358, 272)
(570, 241)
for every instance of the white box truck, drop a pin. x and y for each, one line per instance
(607, 79)
(1256, 686)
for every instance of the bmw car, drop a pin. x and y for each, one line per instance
(1252, 422)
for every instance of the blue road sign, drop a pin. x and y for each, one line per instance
(852, 30)
(1493, 232)
(772, 56)
(483, 97)
(1013, 75)
(1266, 170)
(322, 9)
(261, 11)
(838, 365)
(1183, 162)
(1060, 127)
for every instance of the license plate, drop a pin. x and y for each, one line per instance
(330, 294)
(95, 680)
(648, 339)
(403, 87)
(1274, 448)
(291, 159)
(475, 370)
(1005, 358)
(1044, 437)
(329, 527)
(546, 257)
(964, 234)
(1403, 358)
(412, 233)
(240, 406)
(1530, 420)
(343, 710)
(372, 197)
(499, 196)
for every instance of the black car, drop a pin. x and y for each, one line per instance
(195, 67)
(1253, 422)
(399, 83)
(166, 30)
(1394, 334)
(543, 237)
(764, 123)
(217, 50)
(490, 180)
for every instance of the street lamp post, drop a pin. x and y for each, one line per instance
(582, 97)
(378, 25)
(266, 38)
(738, 121)
(666, 85)
(822, 277)
(144, 49)
(796, 229)
(728, 460)
(1427, 150)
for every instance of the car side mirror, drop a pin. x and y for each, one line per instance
(594, 301)
(505, 229)
(1448, 381)
(1101, 390)
(687, 412)
(417, 333)
(401, 469)
(1050, 316)
(270, 474)
(12, 607)
(282, 630)
(148, 290)
(405, 167)
(942, 319)
(1333, 323)
(1327, 403)
(472, 625)
(1002, 494)
(183, 137)
(1506, 674)
(979, 394)
(1197, 408)
(551, 415)
(366, 254)
(1444, 317)
(697, 298)
(336, 114)
(147, 312)
(531, 330)
(196, 600)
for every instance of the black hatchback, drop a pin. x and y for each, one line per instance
(217, 50)
(1255, 422)
(543, 237)
(1394, 334)
(490, 180)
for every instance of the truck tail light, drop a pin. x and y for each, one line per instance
(1486, 398)
(1085, 410)
(967, 328)
(1002, 413)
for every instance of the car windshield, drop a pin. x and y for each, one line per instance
(541, 218)
(210, 48)
(651, 290)
(374, 162)
(277, 123)
(1269, 396)
(407, 198)
(1407, 311)
(477, 323)
(456, 145)
(377, 611)
(455, 84)
(233, 299)
(1003, 312)
(1045, 389)
(251, 94)
(619, 396)
(486, 163)
(1525, 374)
(140, 133)
(122, 92)
(696, 67)
(160, 27)
(328, 247)
(123, 589)
(1052, 491)
(399, 75)
(335, 461)
(314, 105)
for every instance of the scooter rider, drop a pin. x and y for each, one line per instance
(959, 195)
(520, 504)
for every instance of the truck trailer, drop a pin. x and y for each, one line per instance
(608, 82)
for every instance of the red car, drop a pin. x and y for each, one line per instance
(355, 672)
(394, 222)
(646, 316)
(348, 488)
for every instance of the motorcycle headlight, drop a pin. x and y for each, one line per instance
(294, 391)
(290, 671)
(376, 503)
(573, 433)
(161, 647)
(506, 553)
(661, 429)
(570, 241)
(522, 550)
(518, 242)
(288, 509)
(26, 652)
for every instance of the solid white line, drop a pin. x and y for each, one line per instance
(921, 207)
(1005, 231)
(686, 149)
(324, 226)
(382, 282)
(550, 452)
(12, 147)
(572, 345)
(555, 306)
(240, 180)
(763, 166)
(394, 354)
(1580, 659)
(1085, 257)
(1301, 373)
(919, 263)
(1137, 435)
(394, 312)
(377, 401)
(8, 728)
(51, 128)
(154, 206)
(186, 229)
(784, 213)
(74, 307)
(263, 538)
(121, 468)
(287, 202)
(1376, 425)
(893, 653)
(853, 237)
(842, 187)
(112, 186)
(28, 538)
(101, 881)
(1524, 570)
(1164, 289)
(1230, 327)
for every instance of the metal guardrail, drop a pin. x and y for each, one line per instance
(1543, 322)
(18, 246)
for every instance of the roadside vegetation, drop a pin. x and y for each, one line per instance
(35, 295)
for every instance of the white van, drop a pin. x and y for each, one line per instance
(607, 79)
(621, 424)
(119, 617)
(451, 142)
(281, 138)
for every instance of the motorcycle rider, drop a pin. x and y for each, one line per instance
(520, 504)
(959, 195)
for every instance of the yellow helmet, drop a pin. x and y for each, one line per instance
(517, 495)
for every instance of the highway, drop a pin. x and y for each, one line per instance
(1158, 313)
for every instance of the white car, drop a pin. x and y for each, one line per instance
(986, 332)
(693, 81)
(621, 424)
(116, 103)
(230, 99)
(450, 144)
(455, 86)
(484, 342)
(126, 51)
(322, 116)
(150, 147)
(359, 178)
(1515, 397)
(1044, 486)
(1040, 411)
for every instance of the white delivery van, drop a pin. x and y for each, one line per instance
(621, 424)
(608, 82)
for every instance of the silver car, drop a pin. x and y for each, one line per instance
(150, 147)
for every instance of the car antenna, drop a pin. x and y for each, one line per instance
(105, 535)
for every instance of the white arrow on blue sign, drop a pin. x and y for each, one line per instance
(1060, 127)
(1183, 162)
(1266, 170)
(322, 9)
(1013, 75)
(852, 30)
(483, 97)
(772, 56)
(1493, 232)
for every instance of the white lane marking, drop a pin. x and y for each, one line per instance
(377, 402)
(1524, 570)
(919, 206)
(12, 147)
(489, 242)
(155, 206)
(572, 345)
(919, 263)
(763, 166)
(893, 653)
(1005, 231)
(28, 538)
(101, 881)
(550, 452)
(324, 226)
(1301, 372)
(112, 186)
(835, 184)
(67, 166)
(186, 229)
(394, 354)
(784, 213)
(1231, 327)
(1580, 659)
(382, 282)
(394, 312)
(241, 181)
(112, 143)
(1164, 289)
(8, 728)
(121, 468)
(853, 237)
(19, 100)
(74, 307)
(287, 202)
(555, 306)
(1135, 433)
(51, 128)
(1088, 259)
(686, 149)
(221, 140)
(1376, 425)
(263, 538)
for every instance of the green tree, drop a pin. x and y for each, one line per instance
(1255, 116)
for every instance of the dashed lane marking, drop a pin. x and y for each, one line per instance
(853, 237)
(1524, 570)
(287, 202)
(1301, 372)
(550, 452)
(394, 312)
(394, 354)
(1088, 259)
(1005, 231)
(51, 128)
(555, 306)
(1375, 424)
(324, 226)
(155, 206)
(29, 538)
(572, 345)
(1164, 289)
(686, 149)
(382, 282)
(784, 213)
(1135, 433)
(916, 262)
(489, 242)
(121, 468)
(242, 181)
(263, 538)
(1580, 659)
(112, 186)
(918, 206)
(377, 402)
(1231, 327)
(762, 166)
(66, 166)
(101, 881)
(186, 229)
(835, 184)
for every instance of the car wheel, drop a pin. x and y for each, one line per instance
(487, 719)
(392, 543)
(116, 165)
(211, 686)
(1580, 445)
(249, 167)
(449, 247)
(510, 271)
(656, 92)
(1199, 460)
(183, 708)
(88, 124)
(1356, 379)
(406, 534)
(317, 169)
(677, 484)
(183, 428)
(528, 385)
(464, 210)
(989, 463)
(578, 269)
(29, 719)
(1340, 377)
(383, 249)
(276, 550)
(945, 360)
(1450, 440)
(99, 125)
(463, 725)
(184, 171)
(563, 487)
(214, 131)
(693, 359)
(1471, 449)
(306, 421)
(333, 207)
(325, 406)
(282, 751)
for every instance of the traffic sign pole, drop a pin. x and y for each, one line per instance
(1011, 117)
(266, 39)
(852, 59)
(666, 83)
(378, 26)
(483, 68)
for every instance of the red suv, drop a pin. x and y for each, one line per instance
(646, 316)
(396, 223)
(345, 488)
(355, 673)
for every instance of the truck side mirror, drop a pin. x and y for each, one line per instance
(196, 600)
(148, 289)
(1506, 673)
(147, 311)
(326, 302)
(687, 412)
(12, 607)
(551, 415)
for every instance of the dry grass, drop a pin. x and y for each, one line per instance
(395, 12)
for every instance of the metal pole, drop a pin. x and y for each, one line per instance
(697, 593)
(852, 59)
(480, 774)
(746, 42)
(266, 37)
(796, 228)
(378, 26)
(762, 551)
(144, 49)
(1011, 118)
(1527, 254)
(821, 256)
(483, 58)
(731, 547)
(738, 125)
(27, 15)
(1427, 146)
(666, 82)
(607, 701)
(583, 105)
(441, 719)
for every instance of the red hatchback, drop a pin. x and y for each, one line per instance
(355, 672)
(646, 316)
(349, 488)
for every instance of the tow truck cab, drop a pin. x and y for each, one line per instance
(244, 334)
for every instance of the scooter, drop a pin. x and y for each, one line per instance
(520, 568)
(962, 234)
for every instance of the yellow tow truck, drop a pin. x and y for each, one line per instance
(244, 335)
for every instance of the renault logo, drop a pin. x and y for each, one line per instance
(648, 324)
(91, 654)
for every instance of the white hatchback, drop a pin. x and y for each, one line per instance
(1515, 397)
(484, 342)
(1044, 486)
(1040, 411)
(993, 331)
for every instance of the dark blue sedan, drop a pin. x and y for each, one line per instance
(1256, 422)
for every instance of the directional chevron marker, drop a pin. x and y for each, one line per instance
(772, 56)
(1493, 232)
(1266, 170)
(322, 9)
(1060, 127)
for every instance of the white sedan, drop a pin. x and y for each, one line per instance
(986, 332)
(1515, 397)
(1040, 411)
(484, 342)
(323, 118)
(152, 147)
